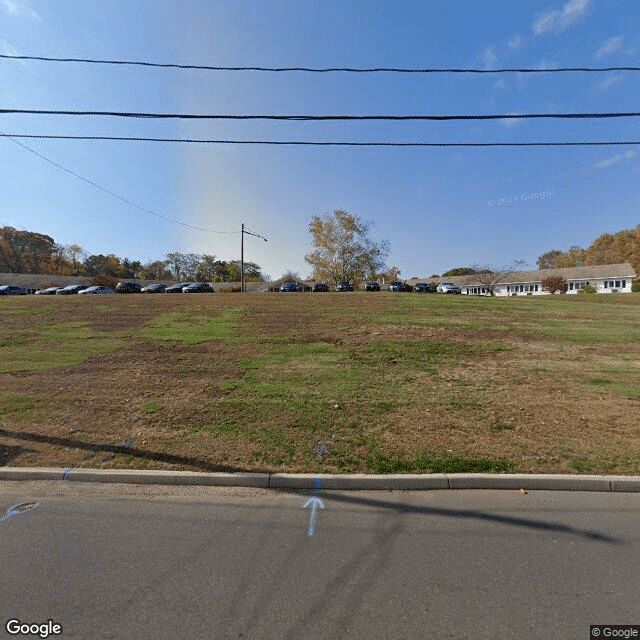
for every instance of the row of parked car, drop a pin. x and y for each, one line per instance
(206, 287)
(419, 287)
(121, 287)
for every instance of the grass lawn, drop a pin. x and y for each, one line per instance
(326, 382)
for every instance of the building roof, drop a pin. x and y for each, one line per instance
(41, 281)
(623, 270)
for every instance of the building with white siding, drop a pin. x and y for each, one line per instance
(604, 278)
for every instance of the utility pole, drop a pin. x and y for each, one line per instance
(251, 233)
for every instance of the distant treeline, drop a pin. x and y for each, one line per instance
(616, 248)
(31, 252)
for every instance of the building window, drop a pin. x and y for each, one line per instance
(624, 284)
(617, 284)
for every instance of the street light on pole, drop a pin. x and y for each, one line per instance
(251, 233)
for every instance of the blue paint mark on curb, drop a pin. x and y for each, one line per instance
(65, 475)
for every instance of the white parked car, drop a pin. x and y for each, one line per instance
(101, 291)
(448, 287)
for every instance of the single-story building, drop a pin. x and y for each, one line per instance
(604, 278)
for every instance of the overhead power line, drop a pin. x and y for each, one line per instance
(424, 70)
(107, 191)
(588, 143)
(311, 118)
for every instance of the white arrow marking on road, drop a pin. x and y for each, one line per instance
(316, 504)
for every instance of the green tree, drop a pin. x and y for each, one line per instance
(233, 270)
(459, 271)
(587, 289)
(206, 268)
(101, 265)
(156, 270)
(129, 269)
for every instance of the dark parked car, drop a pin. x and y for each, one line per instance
(372, 286)
(12, 290)
(424, 287)
(50, 291)
(198, 287)
(128, 287)
(397, 286)
(98, 291)
(320, 286)
(154, 288)
(71, 289)
(289, 286)
(177, 288)
(344, 286)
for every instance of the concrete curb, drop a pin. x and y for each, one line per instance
(344, 482)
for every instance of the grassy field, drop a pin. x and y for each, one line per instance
(331, 383)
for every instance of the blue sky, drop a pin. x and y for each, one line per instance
(439, 207)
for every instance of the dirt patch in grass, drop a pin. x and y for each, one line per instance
(321, 383)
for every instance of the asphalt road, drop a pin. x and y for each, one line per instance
(137, 562)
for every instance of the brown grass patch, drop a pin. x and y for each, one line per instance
(262, 397)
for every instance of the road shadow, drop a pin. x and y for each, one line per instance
(125, 447)
(465, 514)
(8, 453)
